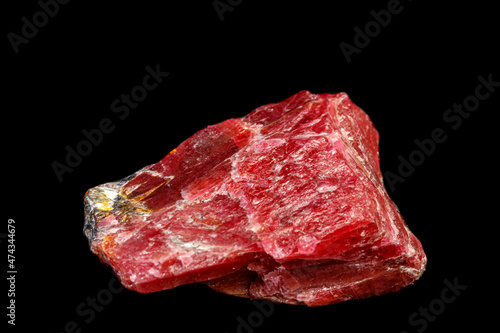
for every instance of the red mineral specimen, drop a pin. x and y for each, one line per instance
(285, 204)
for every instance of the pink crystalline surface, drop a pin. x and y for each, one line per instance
(285, 204)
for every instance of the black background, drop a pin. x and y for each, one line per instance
(66, 77)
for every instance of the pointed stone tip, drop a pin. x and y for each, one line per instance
(98, 203)
(106, 199)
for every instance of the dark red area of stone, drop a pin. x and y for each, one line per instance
(285, 204)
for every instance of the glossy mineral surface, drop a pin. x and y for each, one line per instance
(285, 204)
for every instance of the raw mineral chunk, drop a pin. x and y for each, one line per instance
(285, 204)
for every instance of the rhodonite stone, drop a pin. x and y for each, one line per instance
(285, 204)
